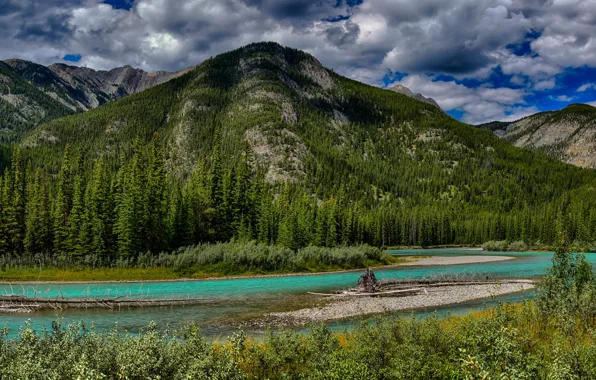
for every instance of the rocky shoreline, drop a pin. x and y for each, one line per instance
(341, 307)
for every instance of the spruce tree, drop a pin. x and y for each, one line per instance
(156, 203)
(201, 211)
(37, 237)
(63, 204)
(5, 190)
(77, 216)
(15, 209)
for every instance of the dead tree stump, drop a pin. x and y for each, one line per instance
(367, 282)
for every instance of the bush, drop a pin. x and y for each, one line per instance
(567, 295)
(497, 246)
(502, 343)
(518, 246)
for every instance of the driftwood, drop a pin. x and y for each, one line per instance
(356, 293)
(367, 282)
(368, 286)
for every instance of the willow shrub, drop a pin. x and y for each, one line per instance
(241, 257)
(227, 258)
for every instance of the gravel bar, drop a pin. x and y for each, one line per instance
(434, 297)
(453, 260)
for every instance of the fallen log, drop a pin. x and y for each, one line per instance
(351, 293)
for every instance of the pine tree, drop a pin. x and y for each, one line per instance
(180, 227)
(130, 225)
(201, 211)
(77, 213)
(63, 204)
(15, 210)
(5, 190)
(37, 237)
(216, 179)
(97, 205)
(156, 203)
(331, 239)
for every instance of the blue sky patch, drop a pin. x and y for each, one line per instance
(120, 4)
(337, 18)
(524, 47)
(349, 3)
(392, 77)
(72, 57)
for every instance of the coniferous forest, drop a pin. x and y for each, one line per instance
(264, 144)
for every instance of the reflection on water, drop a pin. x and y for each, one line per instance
(241, 298)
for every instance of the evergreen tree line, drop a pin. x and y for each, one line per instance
(101, 215)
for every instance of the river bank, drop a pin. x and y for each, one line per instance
(150, 275)
(347, 307)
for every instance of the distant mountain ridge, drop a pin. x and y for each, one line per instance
(100, 86)
(568, 134)
(400, 89)
(31, 93)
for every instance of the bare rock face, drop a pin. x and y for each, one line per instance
(568, 135)
(97, 87)
(367, 282)
(69, 89)
(406, 91)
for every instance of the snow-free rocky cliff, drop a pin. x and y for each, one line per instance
(568, 134)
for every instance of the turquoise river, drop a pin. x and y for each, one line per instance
(233, 299)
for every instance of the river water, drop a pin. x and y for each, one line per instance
(235, 299)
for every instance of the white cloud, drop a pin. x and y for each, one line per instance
(545, 84)
(563, 98)
(479, 105)
(586, 87)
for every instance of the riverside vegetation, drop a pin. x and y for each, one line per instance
(551, 338)
(264, 144)
(203, 260)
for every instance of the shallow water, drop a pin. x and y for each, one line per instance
(239, 298)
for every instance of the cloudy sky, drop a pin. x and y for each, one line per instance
(480, 59)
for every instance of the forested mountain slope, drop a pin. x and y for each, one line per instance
(568, 135)
(264, 143)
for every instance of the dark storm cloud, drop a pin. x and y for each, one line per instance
(342, 35)
(300, 10)
(52, 28)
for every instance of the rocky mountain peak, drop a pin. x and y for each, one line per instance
(400, 89)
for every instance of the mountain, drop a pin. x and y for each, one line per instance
(33, 93)
(301, 123)
(264, 143)
(98, 87)
(568, 135)
(24, 104)
(407, 92)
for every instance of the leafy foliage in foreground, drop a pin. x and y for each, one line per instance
(552, 339)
